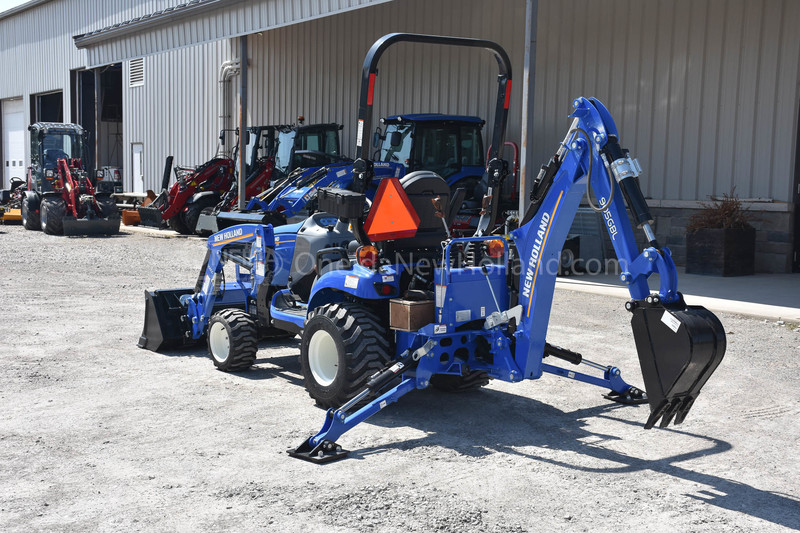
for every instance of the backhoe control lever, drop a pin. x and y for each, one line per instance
(626, 171)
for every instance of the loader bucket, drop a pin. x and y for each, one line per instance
(150, 216)
(90, 226)
(12, 215)
(163, 325)
(679, 348)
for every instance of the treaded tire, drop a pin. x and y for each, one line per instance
(361, 349)
(232, 340)
(451, 383)
(192, 213)
(51, 215)
(108, 209)
(176, 224)
(30, 218)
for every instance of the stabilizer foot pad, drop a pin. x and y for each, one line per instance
(324, 452)
(632, 396)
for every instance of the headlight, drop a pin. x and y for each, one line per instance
(49, 174)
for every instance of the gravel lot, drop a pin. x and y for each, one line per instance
(99, 435)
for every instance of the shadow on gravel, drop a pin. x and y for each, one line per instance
(485, 422)
(286, 366)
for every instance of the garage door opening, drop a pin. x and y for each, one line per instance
(13, 141)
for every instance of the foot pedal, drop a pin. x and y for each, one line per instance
(632, 396)
(324, 452)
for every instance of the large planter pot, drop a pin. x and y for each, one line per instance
(721, 252)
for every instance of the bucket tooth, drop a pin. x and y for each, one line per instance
(679, 348)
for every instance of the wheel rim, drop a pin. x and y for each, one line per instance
(219, 342)
(323, 357)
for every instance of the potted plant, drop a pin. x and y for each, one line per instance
(720, 240)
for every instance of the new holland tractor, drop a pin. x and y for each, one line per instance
(386, 300)
(60, 197)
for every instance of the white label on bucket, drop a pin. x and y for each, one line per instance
(671, 322)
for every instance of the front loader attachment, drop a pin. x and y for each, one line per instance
(679, 348)
(90, 226)
(163, 320)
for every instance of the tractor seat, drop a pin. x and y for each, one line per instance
(422, 187)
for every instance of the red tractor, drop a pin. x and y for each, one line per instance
(195, 188)
(60, 196)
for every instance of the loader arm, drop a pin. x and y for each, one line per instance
(248, 247)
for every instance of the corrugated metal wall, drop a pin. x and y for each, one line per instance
(232, 19)
(704, 92)
(314, 68)
(176, 111)
(36, 48)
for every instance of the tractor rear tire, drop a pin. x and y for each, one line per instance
(192, 213)
(342, 345)
(51, 215)
(30, 217)
(232, 340)
(450, 383)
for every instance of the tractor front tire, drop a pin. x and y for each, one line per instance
(192, 213)
(451, 383)
(232, 340)
(108, 208)
(343, 344)
(176, 223)
(51, 215)
(30, 217)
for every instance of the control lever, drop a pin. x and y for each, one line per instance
(438, 212)
(499, 317)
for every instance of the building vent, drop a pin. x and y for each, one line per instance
(136, 72)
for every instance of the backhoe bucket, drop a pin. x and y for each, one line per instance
(90, 226)
(163, 325)
(679, 348)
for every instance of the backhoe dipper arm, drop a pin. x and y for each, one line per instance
(590, 151)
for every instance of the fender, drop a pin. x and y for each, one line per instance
(357, 281)
(196, 197)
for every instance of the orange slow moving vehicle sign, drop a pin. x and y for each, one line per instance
(392, 216)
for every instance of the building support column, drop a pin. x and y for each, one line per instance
(527, 165)
(242, 122)
(97, 105)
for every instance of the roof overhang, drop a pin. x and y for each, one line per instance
(202, 21)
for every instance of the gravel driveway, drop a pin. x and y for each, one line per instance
(99, 435)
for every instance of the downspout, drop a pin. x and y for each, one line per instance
(227, 70)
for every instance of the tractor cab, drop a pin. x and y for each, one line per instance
(449, 145)
(49, 143)
(304, 146)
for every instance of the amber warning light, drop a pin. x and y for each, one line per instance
(392, 216)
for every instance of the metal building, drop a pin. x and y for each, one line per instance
(705, 92)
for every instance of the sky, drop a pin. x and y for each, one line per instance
(8, 4)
